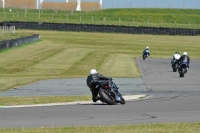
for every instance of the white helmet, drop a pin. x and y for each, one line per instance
(184, 53)
(147, 47)
(93, 71)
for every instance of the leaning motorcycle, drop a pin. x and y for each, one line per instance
(175, 65)
(109, 95)
(145, 54)
(183, 69)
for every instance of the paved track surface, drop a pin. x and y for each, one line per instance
(172, 99)
(72, 86)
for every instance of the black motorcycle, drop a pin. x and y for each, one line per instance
(183, 69)
(175, 65)
(145, 54)
(111, 95)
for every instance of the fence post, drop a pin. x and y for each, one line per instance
(80, 19)
(39, 13)
(7, 44)
(119, 20)
(104, 19)
(13, 29)
(3, 29)
(92, 19)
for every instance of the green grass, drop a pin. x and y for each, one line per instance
(168, 18)
(10, 36)
(31, 100)
(73, 54)
(142, 128)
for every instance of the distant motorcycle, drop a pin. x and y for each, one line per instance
(145, 54)
(109, 95)
(183, 69)
(175, 65)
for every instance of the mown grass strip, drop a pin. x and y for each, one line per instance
(32, 100)
(72, 55)
(142, 128)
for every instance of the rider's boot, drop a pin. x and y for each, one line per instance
(97, 98)
(94, 99)
(188, 67)
(117, 98)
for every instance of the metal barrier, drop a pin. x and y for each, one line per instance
(102, 28)
(19, 41)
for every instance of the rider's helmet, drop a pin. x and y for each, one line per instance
(93, 71)
(147, 47)
(184, 53)
(176, 52)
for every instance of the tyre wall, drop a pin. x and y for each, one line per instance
(19, 41)
(102, 28)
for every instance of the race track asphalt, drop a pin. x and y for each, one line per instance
(172, 99)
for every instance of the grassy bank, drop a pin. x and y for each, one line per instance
(171, 18)
(143, 128)
(10, 36)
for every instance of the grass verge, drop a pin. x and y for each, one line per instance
(142, 128)
(10, 36)
(31, 100)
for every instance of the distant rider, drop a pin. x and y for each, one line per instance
(185, 58)
(147, 48)
(175, 57)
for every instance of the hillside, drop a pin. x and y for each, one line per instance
(179, 18)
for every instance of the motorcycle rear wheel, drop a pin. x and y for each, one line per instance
(144, 57)
(110, 100)
(182, 72)
(175, 68)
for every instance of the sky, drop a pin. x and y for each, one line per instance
(195, 4)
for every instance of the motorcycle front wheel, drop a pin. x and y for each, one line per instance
(175, 68)
(123, 101)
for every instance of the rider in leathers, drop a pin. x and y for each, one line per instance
(147, 48)
(175, 57)
(184, 58)
(95, 79)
